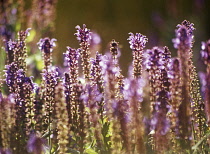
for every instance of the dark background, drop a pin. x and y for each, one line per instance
(114, 19)
(111, 19)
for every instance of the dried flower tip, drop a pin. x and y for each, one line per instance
(46, 44)
(205, 52)
(189, 26)
(138, 41)
(166, 54)
(114, 48)
(83, 34)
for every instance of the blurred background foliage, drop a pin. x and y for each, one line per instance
(112, 19)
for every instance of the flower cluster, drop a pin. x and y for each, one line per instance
(137, 44)
(158, 109)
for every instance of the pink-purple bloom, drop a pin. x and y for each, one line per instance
(205, 52)
(83, 34)
(138, 41)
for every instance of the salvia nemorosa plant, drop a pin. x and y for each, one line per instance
(158, 108)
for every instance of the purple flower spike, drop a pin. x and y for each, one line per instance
(83, 34)
(205, 52)
(36, 144)
(84, 37)
(137, 42)
(184, 36)
(46, 45)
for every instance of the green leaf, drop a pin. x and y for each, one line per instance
(195, 147)
(90, 151)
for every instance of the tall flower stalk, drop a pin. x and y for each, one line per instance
(137, 44)
(61, 118)
(7, 120)
(49, 79)
(46, 46)
(205, 53)
(183, 42)
(133, 93)
(71, 78)
(84, 37)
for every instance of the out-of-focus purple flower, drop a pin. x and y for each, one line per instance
(203, 81)
(174, 69)
(36, 144)
(107, 65)
(154, 58)
(83, 34)
(91, 96)
(160, 123)
(137, 42)
(205, 52)
(184, 36)
(134, 87)
(95, 43)
(5, 151)
(96, 39)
